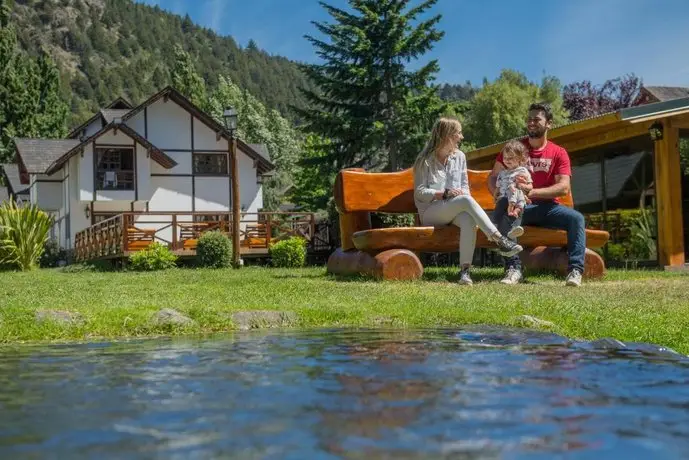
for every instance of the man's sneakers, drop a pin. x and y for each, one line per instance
(573, 278)
(512, 276)
(516, 232)
(507, 247)
(465, 277)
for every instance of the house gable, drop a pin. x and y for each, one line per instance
(108, 133)
(98, 120)
(263, 164)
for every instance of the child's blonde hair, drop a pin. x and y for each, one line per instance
(442, 130)
(516, 149)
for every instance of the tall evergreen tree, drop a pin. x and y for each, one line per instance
(186, 80)
(30, 101)
(367, 101)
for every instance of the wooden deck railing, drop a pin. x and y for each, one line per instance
(133, 231)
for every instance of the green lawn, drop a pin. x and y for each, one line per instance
(645, 306)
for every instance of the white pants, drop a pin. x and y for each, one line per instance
(464, 212)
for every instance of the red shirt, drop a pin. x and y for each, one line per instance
(546, 163)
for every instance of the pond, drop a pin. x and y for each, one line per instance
(478, 392)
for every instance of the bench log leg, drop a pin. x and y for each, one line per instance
(549, 259)
(393, 264)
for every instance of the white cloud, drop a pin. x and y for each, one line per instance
(214, 13)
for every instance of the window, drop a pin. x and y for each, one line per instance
(114, 168)
(210, 163)
(100, 217)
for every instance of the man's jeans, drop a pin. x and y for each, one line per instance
(549, 215)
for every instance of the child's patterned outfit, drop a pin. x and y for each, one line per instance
(507, 185)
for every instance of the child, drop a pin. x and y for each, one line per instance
(515, 157)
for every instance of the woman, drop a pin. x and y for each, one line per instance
(442, 195)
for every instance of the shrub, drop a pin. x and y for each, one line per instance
(156, 257)
(289, 253)
(390, 220)
(617, 252)
(643, 238)
(52, 254)
(214, 250)
(23, 233)
(87, 267)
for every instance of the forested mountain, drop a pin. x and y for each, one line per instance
(457, 93)
(108, 48)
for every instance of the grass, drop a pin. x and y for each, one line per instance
(643, 306)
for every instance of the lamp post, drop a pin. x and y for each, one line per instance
(230, 118)
(656, 131)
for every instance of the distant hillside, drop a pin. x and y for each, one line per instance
(108, 48)
(457, 93)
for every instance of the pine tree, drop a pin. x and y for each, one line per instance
(368, 102)
(8, 58)
(30, 100)
(186, 80)
(52, 111)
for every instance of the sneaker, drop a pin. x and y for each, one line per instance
(574, 278)
(507, 248)
(516, 232)
(465, 278)
(512, 276)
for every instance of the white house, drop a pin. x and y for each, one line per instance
(165, 155)
(13, 186)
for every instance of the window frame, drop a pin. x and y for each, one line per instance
(99, 150)
(226, 165)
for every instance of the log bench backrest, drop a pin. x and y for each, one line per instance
(358, 193)
(356, 190)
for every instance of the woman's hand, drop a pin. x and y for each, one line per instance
(453, 192)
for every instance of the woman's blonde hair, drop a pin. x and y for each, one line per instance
(442, 130)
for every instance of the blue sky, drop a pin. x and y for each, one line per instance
(571, 39)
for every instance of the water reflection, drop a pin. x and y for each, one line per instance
(473, 393)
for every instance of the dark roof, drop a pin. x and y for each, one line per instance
(111, 114)
(38, 154)
(667, 93)
(261, 149)
(264, 164)
(11, 173)
(156, 154)
(119, 103)
(586, 180)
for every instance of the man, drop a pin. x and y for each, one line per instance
(551, 174)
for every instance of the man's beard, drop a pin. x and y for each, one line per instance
(536, 133)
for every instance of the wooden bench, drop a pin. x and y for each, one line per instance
(393, 253)
(139, 239)
(190, 232)
(255, 236)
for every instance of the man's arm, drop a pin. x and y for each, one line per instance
(560, 188)
(492, 179)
